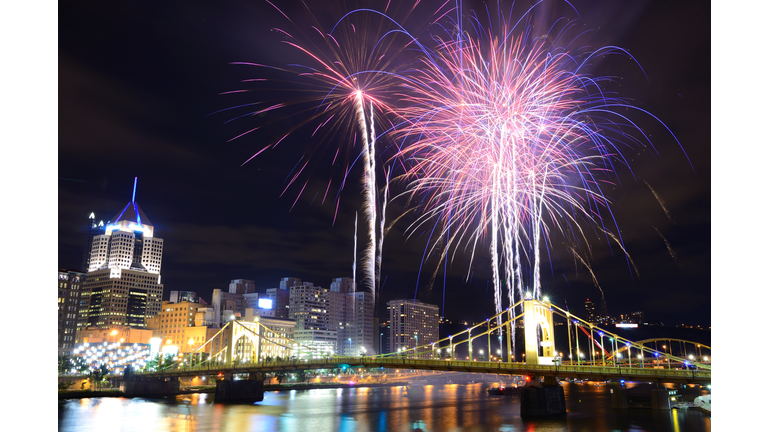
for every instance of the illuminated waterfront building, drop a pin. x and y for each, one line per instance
(70, 287)
(124, 335)
(352, 317)
(412, 324)
(273, 341)
(185, 325)
(123, 285)
(309, 307)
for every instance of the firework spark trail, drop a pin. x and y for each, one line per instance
(594, 278)
(354, 255)
(369, 191)
(611, 235)
(669, 248)
(382, 232)
(352, 66)
(505, 140)
(501, 135)
(661, 202)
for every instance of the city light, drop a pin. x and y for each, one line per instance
(115, 356)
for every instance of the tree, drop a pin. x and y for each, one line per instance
(81, 365)
(151, 365)
(167, 362)
(98, 376)
(301, 376)
(65, 364)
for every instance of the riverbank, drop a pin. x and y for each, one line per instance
(80, 394)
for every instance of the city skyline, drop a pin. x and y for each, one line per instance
(221, 222)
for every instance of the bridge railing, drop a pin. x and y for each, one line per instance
(474, 366)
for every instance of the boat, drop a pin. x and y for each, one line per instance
(503, 391)
(704, 403)
(496, 391)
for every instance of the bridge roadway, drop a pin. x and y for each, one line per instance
(586, 372)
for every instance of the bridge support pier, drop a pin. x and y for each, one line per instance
(657, 399)
(619, 398)
(150, 387)
(542, 399)
(241, 391)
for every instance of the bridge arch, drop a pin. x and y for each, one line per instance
(697, 348)
(243, 342)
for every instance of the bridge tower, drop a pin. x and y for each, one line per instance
(537, 398)
(539, 332)
(243, 342)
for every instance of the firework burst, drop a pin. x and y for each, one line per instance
(343, 88)
(510, 138)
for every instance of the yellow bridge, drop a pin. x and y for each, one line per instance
(238, 349)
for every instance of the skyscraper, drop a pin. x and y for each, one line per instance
(412, 324)
(92, 230)
(242, 286)
(591, 314)
(280, 301)
(309, 307)
(352, 317)
(123, 285)
(70, 286)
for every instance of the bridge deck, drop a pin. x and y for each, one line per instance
(589, 372)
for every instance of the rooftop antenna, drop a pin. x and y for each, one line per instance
(133, 201)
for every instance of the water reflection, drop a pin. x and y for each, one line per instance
(429, 408)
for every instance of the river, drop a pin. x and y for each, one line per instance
(449, 407)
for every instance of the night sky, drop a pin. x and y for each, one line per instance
(139, 83)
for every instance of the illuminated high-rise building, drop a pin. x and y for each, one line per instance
(591, 313)
(70, 286)
(351, 314)
(92, 230)
(123, 286)
(412, 324)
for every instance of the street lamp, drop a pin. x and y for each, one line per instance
(381, 347)
(614, 351)
(669, 366)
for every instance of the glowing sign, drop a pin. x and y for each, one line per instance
(265, 303)
(626, 325)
